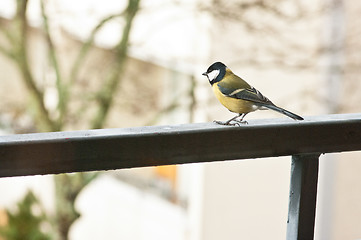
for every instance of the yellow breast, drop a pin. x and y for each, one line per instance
(233, 104)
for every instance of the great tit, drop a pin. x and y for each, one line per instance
(237, 95)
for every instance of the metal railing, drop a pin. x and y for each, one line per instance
(105, 149)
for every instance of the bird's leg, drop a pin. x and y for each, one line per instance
(234, 118)
(227, 122)
(230, 120)
(241, 120)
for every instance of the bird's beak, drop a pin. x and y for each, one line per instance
(204, 74)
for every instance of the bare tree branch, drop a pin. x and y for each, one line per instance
(11, 39)
(7, 52)
(6, 32)
(61, 87)
(106, 94)
(21, 58)
(86, 46)
(67, 188)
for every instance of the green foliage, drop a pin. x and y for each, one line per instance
(26, 221)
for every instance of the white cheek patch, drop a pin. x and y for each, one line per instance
(212, 75)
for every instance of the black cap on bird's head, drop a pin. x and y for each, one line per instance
(215, 72)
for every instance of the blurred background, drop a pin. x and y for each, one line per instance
(71, 65)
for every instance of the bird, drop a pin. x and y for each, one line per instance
(238, 96)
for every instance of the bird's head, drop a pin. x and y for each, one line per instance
(215, 72)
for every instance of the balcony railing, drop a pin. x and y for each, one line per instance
(105, 149)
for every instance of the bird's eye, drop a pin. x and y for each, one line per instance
(213, 75)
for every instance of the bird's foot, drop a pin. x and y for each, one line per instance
(231, 123)
(220, 122)
(241, 121)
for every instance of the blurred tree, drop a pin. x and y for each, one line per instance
(294, 35)
(67, 188)
(17, 48)
(273, 40)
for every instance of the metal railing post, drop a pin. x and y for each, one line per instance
(302, 200)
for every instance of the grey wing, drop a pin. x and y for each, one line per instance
(253, 95)
(249, 94)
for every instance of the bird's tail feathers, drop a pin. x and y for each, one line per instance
(283, 111)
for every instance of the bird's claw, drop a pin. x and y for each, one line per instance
(241, 121)
(220, 122)
(237, 123)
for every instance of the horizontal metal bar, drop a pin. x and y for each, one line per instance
(104, 149)
(303, 194)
